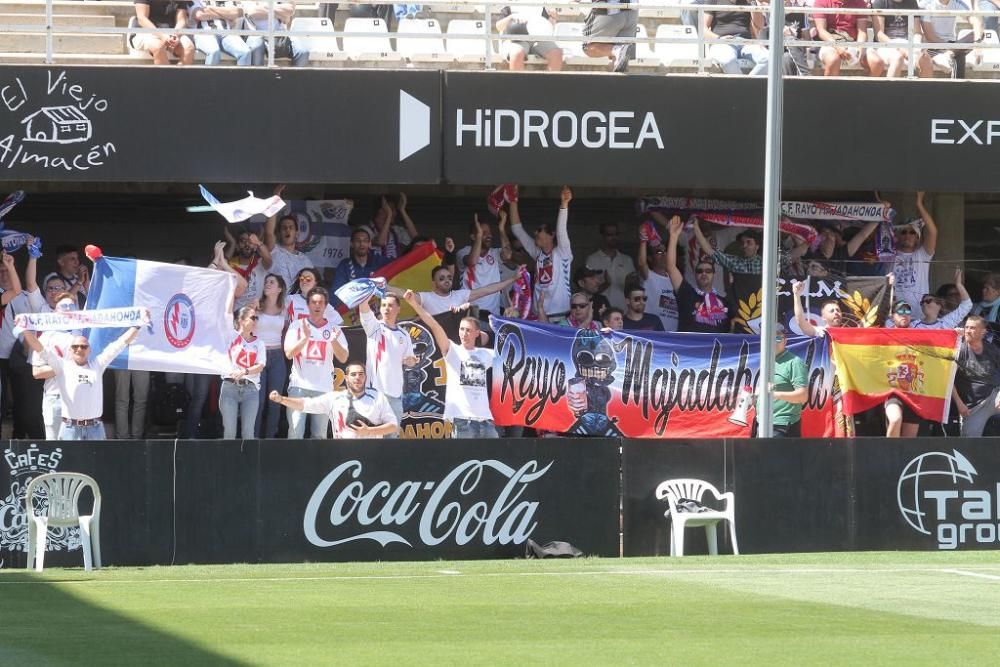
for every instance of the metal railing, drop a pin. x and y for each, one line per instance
(490, 38)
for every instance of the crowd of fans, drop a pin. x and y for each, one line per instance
(838, 36)
(288, 332)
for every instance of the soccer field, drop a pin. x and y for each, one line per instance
(870, 608)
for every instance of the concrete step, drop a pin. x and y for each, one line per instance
(91, 7)
(37, 21)
(18, 42)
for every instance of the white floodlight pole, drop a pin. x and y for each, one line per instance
(772, 215)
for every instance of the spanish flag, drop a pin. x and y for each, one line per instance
(412, 271)
(916, 365)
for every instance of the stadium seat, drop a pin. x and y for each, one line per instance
(573, 49)
(320, 47)
(644, 56)
(676, 490)
(652, 9)
(362, 46)
(57, 496)
(677, 54)
(421, 49)
(464, 49)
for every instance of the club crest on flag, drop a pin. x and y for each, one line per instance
(179, 321)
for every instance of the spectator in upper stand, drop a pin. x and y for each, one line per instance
(749, 261)
(163, 14)
(480, 265)
(25, 391)
(833, 253)
(940, 29)
(901, 420)
(989, 307)
(700, 307)
(298, 308)
(360, 263)
(57, 342)
(616, 265)
(553, 257)
(219, 15)
(257, 18)
(588, 281)
(239, 396)
(950, 297)
(443, 299)
(636, 318)
(272, 318)
(519, 23)
(286, 260)
(915, 245)
(581, 312)
(612, 22)
(718, 237)
(389, 239)
(932, 305)
(793, 61)
(251, 259)
(614, 319)
(841, 32)
(727, 25)
(389, 349)
(467, 403)
(977, 381)
(73, 272)
(829, 312)
(656, 280)
(892, 31)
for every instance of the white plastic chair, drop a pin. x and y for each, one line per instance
(677, 54)
(467, 50)
(320, 47)
(694, 489)
(57, 495)
(421, 49)
(644, 56)
(359, 47)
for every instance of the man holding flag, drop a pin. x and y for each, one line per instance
(977, 385)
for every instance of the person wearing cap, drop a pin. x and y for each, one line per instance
(589, 281)
(901, 420)
(931, 306)
(832, 253)
(915, 245)
(790, 389)
(81, 381)
(616, 265)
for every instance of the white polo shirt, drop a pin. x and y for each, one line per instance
(337, 405)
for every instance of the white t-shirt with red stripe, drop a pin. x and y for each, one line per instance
(245, 354)
(298, 309)
(485, 272)
(312, 368)
(387, 347)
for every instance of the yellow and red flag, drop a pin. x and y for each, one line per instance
(412, 271)
(916, 365)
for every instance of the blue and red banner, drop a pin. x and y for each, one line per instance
(640, 384)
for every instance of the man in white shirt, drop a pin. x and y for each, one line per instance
(466, 401)
(553, 257)
(81, 382)
(480, 264)
(443, 299)
(355, 412)
(286, 261)
(258, 18)
(56, 342)
(311, 344)
(914, 250)
(389, 348)
(616, 265)
(940, 29)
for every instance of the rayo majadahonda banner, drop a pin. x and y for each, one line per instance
(640, 384)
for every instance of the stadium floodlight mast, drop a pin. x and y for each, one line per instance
(772, 214)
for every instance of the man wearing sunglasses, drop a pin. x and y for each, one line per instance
(636, 317)
(790, 389)
(81, 381)
(901, 420)
(931, 306)
(701, 308)
(915, 245)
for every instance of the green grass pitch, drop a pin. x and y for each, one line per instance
(860, 608)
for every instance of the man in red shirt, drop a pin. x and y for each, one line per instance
(838, 31)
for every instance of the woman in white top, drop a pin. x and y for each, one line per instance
(297, 308)
(272, 316)
(240, 392)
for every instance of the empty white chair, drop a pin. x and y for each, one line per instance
(682, 53)
(467, 50)
(364, 47)
(677, 490)
(429, 48)
(54, 500)
(644, 56)
(320, 47)
(573, 49)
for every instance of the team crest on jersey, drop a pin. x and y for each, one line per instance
(179, 321)
(326, 334)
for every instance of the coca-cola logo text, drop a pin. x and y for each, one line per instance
(438, 507)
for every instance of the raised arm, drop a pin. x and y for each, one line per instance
(477, 245)
(562, 220)
(855, 243)
(265, 253)
(272, 222)
(15, 280)
(411, 228)
(220, 263)
(706, 247)
(294, 348)
(506, 252)
(518, 229)
(339, 351)
(440, 337)
(674, 232)
(952, 319)
(798, 289)
(485, 290)
(930, 231)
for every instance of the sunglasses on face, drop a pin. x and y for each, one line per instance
(79, 347)
(253, 317)
(904, 311)
(778, 338)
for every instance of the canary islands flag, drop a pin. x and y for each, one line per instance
(190, 311)
(916, 365)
